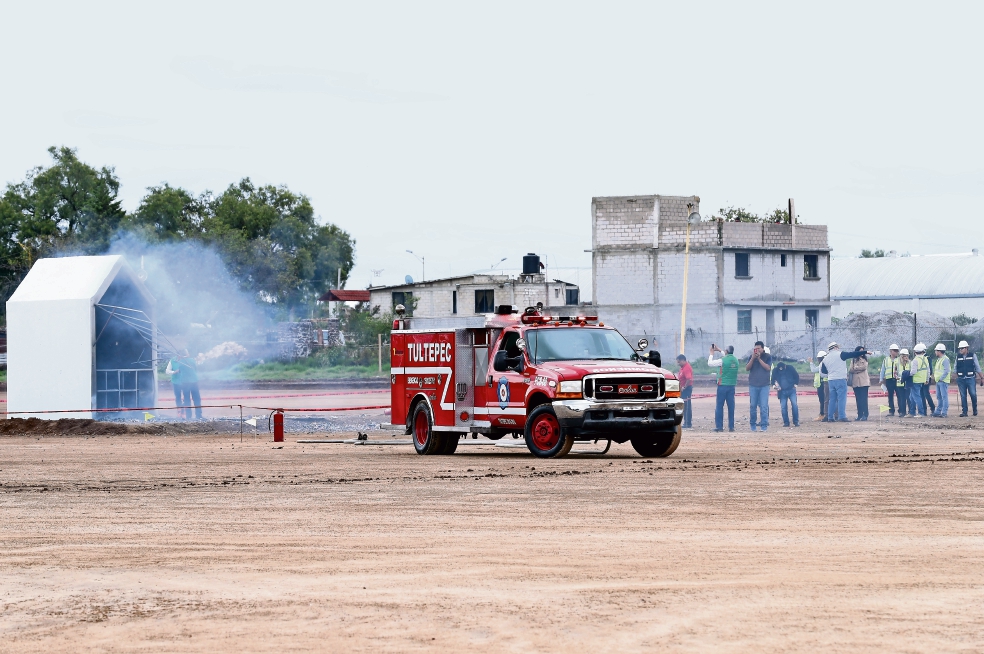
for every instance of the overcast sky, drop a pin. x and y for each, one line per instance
(469, 132)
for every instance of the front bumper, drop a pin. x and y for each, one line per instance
(618, 420)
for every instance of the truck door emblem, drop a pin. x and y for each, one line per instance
(503, 393)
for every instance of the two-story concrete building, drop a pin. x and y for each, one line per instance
(747, 281)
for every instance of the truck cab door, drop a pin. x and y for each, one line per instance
(506, 399)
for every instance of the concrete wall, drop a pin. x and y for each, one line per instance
(771, 281)
(435, 299)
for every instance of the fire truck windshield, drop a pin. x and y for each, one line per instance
(576, 343)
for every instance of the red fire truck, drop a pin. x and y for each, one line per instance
(555, 380)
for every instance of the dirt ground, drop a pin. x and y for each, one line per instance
(784, 541)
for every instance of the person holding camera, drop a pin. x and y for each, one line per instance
(759, 369)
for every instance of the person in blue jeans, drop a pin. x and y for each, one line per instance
(786, 379)
(759, 369)
(727, 378)
(836, 369)
(968, 373)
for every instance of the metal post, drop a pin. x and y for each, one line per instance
(683, 312)
(915, 336)
(379, 339)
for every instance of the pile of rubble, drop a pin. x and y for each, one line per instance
(876, 331)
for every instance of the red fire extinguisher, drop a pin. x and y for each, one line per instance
(278, 426)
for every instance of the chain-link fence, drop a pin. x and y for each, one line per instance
(873, 331)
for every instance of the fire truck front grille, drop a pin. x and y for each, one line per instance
(627, 388)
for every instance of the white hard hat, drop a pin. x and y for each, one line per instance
(904, 351)
(821, 354)
(963, 344)
(920, 347)
(833, 345)
(893, 346)
(941, 348)
(767, 350)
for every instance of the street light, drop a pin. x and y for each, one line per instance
(692, 219)
(498, 262)
(423, 274)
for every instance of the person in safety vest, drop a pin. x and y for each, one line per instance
(820, 383)
(904, 382)
(968, 372)
(727, 380)
(889, 379)
(919, 393)
(941, 373)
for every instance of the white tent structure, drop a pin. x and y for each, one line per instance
(80, 335)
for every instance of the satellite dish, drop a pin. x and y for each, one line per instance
(408, 279)
(693, 218)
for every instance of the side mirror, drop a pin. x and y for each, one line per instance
(642, 344)
(499, 363)
(655, 358)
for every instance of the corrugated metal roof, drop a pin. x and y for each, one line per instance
(928, 276)
(339, 295)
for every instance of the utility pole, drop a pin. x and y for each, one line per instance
(692, 219)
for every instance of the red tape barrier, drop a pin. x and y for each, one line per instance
(271, 397)
(204, 406)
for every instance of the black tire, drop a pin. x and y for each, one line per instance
(450, 443)
(545, 438)
(425, 439)
(658, 445)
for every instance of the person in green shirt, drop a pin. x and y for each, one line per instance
(727, 380)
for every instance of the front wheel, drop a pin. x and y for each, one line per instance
(544, 436)
(658, 445)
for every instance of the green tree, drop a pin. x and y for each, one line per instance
(69, 206)
(167, 213)
(868, 254)
(273, 244)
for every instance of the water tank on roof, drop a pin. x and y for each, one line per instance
(531, 264)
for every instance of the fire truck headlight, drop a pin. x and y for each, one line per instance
(672, 386)
(570, 386)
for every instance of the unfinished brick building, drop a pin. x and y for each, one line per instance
(747, 281)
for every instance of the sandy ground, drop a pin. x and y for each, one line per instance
(784, 541)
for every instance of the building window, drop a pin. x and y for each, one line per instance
(744, 321)
(484, 301)
(741, 264)
(812, 318)
(572, 296)
(399, 297)
(454, 301)
(782, 262)
(785, 312)
(811, 266)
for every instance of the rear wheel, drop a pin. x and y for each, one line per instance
(544, 436)
(660, 444)
(425, 439)
(450, 443)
